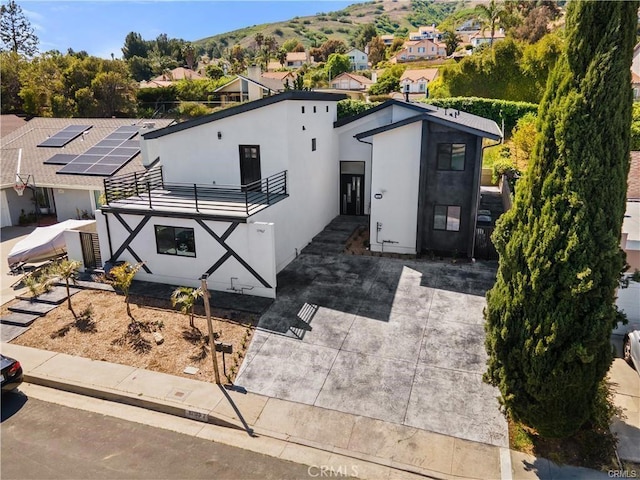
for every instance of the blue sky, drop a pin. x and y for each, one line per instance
(100, 27)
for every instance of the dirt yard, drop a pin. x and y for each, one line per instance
(103, 322)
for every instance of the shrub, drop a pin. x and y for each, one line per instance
(349, 107)
(379, 98)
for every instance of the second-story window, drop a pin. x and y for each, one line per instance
(313, 144)
(451, 156)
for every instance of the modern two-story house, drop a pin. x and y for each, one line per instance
(239, 193)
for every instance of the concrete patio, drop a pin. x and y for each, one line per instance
(386, 338)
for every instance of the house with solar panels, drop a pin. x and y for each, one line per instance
(55, 167)
(238, 194)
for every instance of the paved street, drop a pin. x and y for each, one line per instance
(46, 440)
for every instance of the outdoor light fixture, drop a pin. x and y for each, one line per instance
(377, 196)
(219, 135)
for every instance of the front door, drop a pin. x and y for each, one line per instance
(352, 194)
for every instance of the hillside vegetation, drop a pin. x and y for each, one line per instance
(388, 16)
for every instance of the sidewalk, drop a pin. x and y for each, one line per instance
(338, 441)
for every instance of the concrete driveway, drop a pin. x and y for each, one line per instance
(390, 339)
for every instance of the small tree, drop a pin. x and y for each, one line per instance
(122, 277)
(185, 298)
(67, 270)
(337, 64)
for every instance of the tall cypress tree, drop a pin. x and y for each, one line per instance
(550, 314)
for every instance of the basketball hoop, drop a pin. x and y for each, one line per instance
(19, 188)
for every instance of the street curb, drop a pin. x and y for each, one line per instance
(118, 396)
(202, 416)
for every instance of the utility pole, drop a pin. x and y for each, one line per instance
(212, 343)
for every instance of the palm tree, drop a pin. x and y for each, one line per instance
(490, 16)
(185, 298)
(121, 278)
(67, 270)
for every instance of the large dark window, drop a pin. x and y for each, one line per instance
(451, 156)
(249, 164)
(175, 241)
(446, 217)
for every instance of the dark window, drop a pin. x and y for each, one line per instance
(313, 144)
(175, 241)
(314, 109)
(249, 164)
(302, 109)
(327, 108)
(451, 156)
(446, 217)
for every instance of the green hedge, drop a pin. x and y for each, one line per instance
(494, 109)
(350, 107)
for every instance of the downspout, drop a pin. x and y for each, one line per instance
(106, 222)
(475, 216)
(365, 176)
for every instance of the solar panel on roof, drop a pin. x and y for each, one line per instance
(107, 156)
(60, 159)
(64, 136)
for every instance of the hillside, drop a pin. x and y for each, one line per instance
(389, 16)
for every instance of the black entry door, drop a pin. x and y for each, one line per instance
(249, 164)
(351, 194)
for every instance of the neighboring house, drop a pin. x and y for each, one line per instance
(635, 65)
(635, 85)
(55, 174)
(429, 32)
(253, 86)
(417, 81)
(9, 123)
(359, 60)
(387, 39)
(420, 50)
(481, 37)
(351, 81)
(298, 59)
(167, 79)
(239, 193)
(631, 225)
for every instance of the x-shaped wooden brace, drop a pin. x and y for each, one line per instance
(229, 252)
(127, 242)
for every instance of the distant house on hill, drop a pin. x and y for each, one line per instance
(480, 38)
(420, 50)
(351, 81)
(167, 79)
(429, 32)
(359, 60)
(417, 81)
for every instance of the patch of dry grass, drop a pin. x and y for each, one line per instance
(94, 336)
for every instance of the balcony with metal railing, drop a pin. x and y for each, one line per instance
(144, 192)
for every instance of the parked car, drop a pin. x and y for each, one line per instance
(11, 373)
(631, 349)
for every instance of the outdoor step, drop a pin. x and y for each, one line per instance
(21, 319)
(34, 308)
(9, 332)
(89, 285)
(55, 296)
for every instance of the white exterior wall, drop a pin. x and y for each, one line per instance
(74, 245)
(196, 155)
(253, 242)
(396, 172)
(70, 201)
(5, 214)
(313, 179)
(635, 65)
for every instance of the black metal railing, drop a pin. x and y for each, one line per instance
(157, 194)
(132, 184)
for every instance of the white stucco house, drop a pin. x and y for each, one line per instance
(351, 81)
(239, 193)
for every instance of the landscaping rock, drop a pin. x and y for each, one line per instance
(158, 338)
